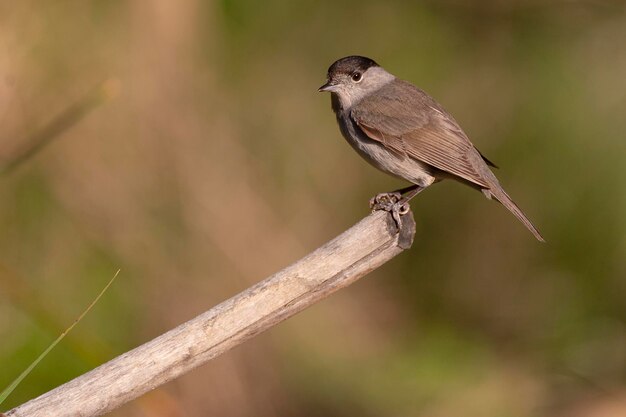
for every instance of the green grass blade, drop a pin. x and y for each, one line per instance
(8, 390)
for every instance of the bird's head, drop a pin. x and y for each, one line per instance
(354, 77)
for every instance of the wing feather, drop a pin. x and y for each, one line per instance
(408, 121)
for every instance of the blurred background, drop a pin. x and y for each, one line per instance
(217, 163)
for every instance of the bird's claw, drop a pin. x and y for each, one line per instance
(385, 201)
(392, 203)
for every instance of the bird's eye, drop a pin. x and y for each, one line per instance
(356, 76)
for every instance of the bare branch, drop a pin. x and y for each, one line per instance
(359, 250)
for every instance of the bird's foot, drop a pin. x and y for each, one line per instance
(391, 202)
(398, 206)
(384, 201)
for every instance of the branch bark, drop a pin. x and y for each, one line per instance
(338, 263)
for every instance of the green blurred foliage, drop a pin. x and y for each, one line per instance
(219, 164)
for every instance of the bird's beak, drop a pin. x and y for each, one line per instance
(329, 86)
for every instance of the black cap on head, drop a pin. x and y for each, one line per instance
(350, 64)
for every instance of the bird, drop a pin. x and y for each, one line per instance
(404, 132)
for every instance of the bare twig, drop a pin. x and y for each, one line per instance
(359, 250)
(70, 116)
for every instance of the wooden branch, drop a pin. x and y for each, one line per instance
(359, 250)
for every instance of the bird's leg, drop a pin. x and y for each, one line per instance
(395, 202)
(384, 201)
(403, 204)
(407, 189)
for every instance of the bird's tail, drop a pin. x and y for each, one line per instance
(506, 201)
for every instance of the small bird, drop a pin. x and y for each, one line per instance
(402, 131)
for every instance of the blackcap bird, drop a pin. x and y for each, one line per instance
(404, 132)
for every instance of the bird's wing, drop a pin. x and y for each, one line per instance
(408, 121)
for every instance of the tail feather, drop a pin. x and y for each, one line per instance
(506, 201)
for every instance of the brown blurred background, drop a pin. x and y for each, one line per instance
(218, 163)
